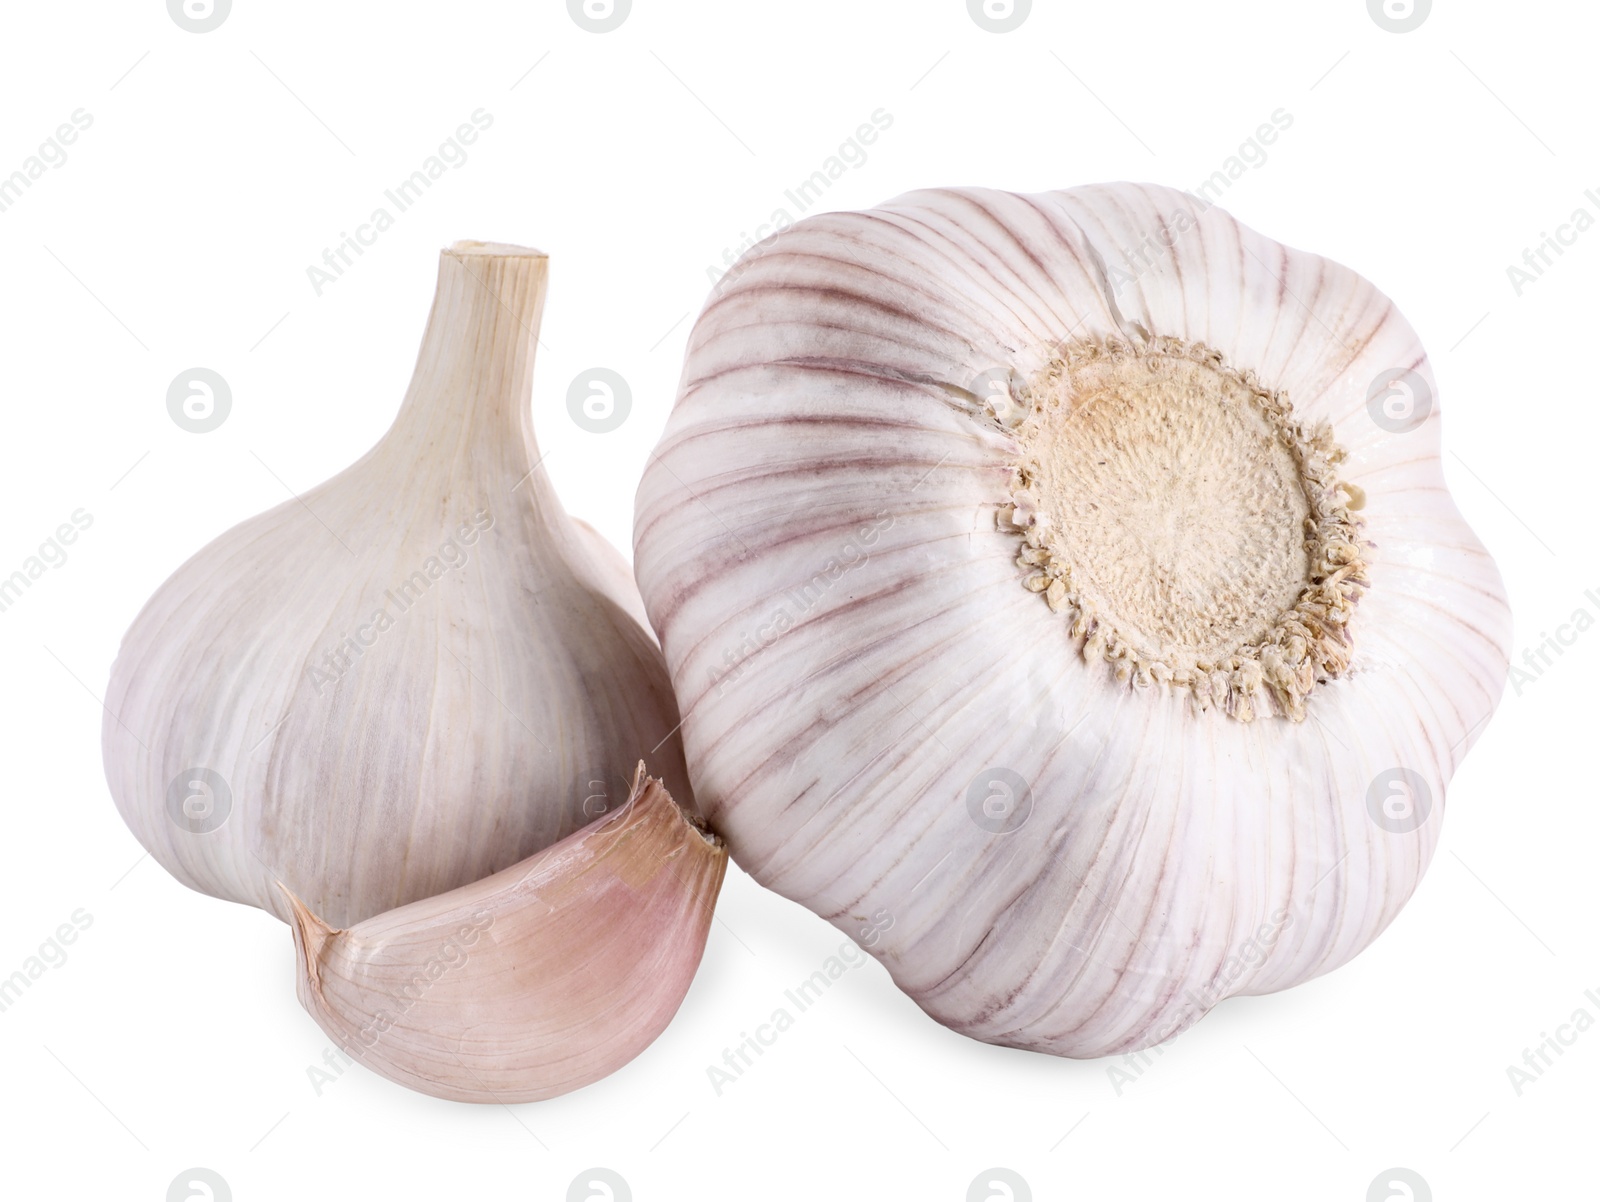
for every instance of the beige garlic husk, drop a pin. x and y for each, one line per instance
(413, 676)
(529, 983)
(1063, 596)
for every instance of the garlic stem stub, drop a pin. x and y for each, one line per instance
(415, 674)
(534, 981)
(1072, 577)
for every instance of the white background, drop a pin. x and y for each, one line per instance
(178, 233)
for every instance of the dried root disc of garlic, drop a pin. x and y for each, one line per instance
(1188, 523)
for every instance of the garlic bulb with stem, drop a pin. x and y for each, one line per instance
(1072, 578)
(409, 677)
(532, 982)
(392, 710)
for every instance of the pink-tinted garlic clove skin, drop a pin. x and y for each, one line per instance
(532, 982)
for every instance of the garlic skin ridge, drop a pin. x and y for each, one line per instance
(1138, 839)
(465, 737)
(534, 981)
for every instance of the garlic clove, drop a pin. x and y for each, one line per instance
(412, 675)
(1090, 818)
(532, 982)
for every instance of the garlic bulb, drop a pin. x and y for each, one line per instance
(1064, 577)
(415, 674)
(531, 982)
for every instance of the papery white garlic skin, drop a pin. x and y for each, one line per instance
(363, 761)
(534, 981)
(835, 544)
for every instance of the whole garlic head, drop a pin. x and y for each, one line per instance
(1069, 579)
(409, 677)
